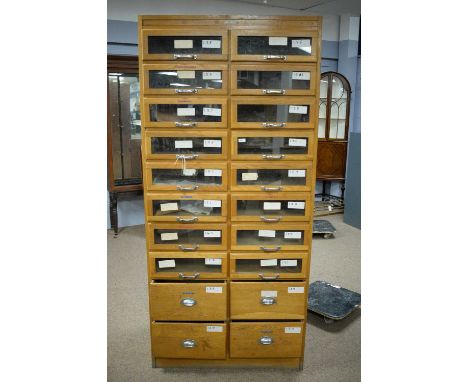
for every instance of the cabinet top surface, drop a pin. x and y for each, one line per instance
(228, 17)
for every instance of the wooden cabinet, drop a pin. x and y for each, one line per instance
(229, 111)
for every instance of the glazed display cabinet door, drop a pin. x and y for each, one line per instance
(191, 176)
(261, 266)
(197, 237)
(267, 238)
(272, 145)
(189, 112)
(273, 79)
(186, 208)
(271, 207)
(271, 176)
(186, 145)
(274, 45)
(203, 79)
(272, 112)
(187, 266)
(179, 45)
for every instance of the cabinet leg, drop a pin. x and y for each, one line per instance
(301, 365)
(153, 360)
(113, 213)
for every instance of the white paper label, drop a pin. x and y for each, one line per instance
(186, 73)
(297, 142)
(211, 44)
(169, 236)
(301, 76)
(297, 109)
(213, 289)
(295, 289)
(187, 111)
(272, 205)
(183, 144)
(292, 235)
(212, 261)
(301, 43)
(212, 111)
(189, 171)
(211, 75)
(266, 233)
(211, 143)
(213, 172)
(215, 329)
(169, 207)
(278, 41)
(330, 208)
(292, 329)
(296, 173)
(211, 233)
(241, 140)
(296, 205)
(183, 44)
(268, 262)
(249, 176)
(166, 263)
(212, 203)
(269, 293)
(288, 263)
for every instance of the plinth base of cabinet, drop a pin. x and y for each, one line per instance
(230, 362)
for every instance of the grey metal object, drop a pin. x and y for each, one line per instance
(265, 340)
(323, 227)
(268, 300)
(189, 343)
(188, 302)
(194, 276)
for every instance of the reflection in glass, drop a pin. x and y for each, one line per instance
(168, 145)
(257, 208)
(338, 110)
(271, 80)
(184, 207)
(187, 177)
(189, 265)
(168, 44)
(323, 108)
(171, 113)
(259, 45)
(267, 145)
(165, 79)
(270, 177)
(271, 113)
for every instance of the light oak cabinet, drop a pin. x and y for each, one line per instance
(229, 117)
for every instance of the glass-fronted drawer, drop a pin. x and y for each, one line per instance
(279, 79)
(267, 238)
(186, 145)
(271, 176)
(197, 237)
(173, 44)
(262, 266)
(184, 266)
(189, 112)
(274, 45)
(186, 208)
(185, 176)
(271, 207)
(272, 145)
(272, 112)
(203, 79)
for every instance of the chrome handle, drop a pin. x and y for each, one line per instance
(186, 124)
(265, 340)
(263, 277)
(187, 220)
(186, 90)
(185, 56)
(264, 188)
(191, 188)
(268, 300)
(187, 157)
(194, 276)
(269, 220)
(274, 91)
(189, 343)
(271, 124)
(188, 301)
(266, 249)
(274, 57)
(272, 157)
(188, 249)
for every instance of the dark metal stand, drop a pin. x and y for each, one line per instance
(113, 212)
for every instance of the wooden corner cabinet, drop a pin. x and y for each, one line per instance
(230, 117)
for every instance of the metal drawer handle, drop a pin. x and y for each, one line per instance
(271, 124)
(265, 340)
(186, 124)
(274, 57)
(269, 220)
(264, 188)
(271, 156)
(267, 249)
(186, 90)
(185, 56)
(188, 302)
(189, 343)
(188, 249)
(268, 300)
(263, 277)
(187, 220)
(194, 276)
(274, 91)
(190, 188)
(187, 157)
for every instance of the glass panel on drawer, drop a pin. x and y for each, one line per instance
(185, 79)
(272, 113)
(186, 145)
(187, 176)
(272, 145)
(268, 265)
(271, 45)
(271, 177)
(184, 44)
(187, 236)
(185, 207)
(268, 237)
(287, 80)
(185, 112)
(270, 207)
(189, 265)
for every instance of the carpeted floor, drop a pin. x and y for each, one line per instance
(332, 351)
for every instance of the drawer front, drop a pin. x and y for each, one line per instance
(273, 79)
(274, 45)
(186, 208)
(197, 176)
(187, 266)
(266, 237)
(273, 112)
(273, 145)
(271, 176)
(203, 79)
(185, 113)
(266, 339)
(261, 266)
(188, 301)
(182, 45)
(188, 340)
(271, 207)
(186, 145)
(267, 300)
(181, 237)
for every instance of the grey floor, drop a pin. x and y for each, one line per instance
(332, 351)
